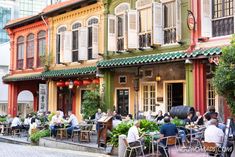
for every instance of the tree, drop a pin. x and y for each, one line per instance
(224, 79)
(92, 102)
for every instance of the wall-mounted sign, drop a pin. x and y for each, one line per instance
(42, 97)
(191, 22)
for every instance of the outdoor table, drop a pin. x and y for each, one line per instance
(154, 136)
(61, 132)
(193, 129)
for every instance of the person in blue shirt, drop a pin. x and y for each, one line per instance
(167, 129)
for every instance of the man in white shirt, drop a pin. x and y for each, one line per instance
(133, 137)
(56, 122)
(16, 123)
(73, 121)
(213, 133)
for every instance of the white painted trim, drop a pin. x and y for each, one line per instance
(60, 27)
(128, 4)
(78, 21)
(216, 96)
(91, 17)
(142, 83)
(115, 97)
(165, 91)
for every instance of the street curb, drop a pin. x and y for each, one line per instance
(13, 141)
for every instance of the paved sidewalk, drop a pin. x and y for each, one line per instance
(13, 150)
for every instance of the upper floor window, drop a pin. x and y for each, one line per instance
(152, 23)
(20, 52)
(30, 50)
(60, 38)
(92, 38)
(217, 18)
(75, 44)
(41, 45)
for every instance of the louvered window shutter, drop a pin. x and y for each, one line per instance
(206, 16)
(178, 20)
(67, 46)
(83, 43)
(132, 30)
(62, 41)
(95, 39)
(112, 33)
(158, 34)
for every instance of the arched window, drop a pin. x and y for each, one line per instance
(59, 42)
(92, 38)
(75, 40)
(30, 50)
(41, 46)
(20, 52)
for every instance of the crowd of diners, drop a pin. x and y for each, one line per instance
(214, 130)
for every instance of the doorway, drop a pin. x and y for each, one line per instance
(123, 101)
(175, 95)
(64, 100)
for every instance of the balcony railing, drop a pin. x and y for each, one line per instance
(30, 62)
(20, 63)
(223, 26)
(169, 35)
(75, 56)
(120, 44)
(145, 40)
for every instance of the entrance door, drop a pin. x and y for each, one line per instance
(149, 97)
(123, 101)
(64, 101)
(175, 95)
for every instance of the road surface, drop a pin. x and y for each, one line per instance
(13, 150)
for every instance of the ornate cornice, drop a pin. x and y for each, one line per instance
(79, 12)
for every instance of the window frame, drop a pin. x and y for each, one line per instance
(30, 50)
(75, 31)
(58, 41)
(90, 36)
(20, 52)
(172, 28)
(41, 42)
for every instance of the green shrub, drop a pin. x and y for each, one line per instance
(37, 135)
(3, 118)
(50, 116)
(178, 122)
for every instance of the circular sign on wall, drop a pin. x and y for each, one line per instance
(191, 20)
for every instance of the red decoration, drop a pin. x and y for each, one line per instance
(60, 84)
(77, 83)
(86, 82)
(67, 83)
(96, 81)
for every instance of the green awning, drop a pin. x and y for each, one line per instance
(13, 78)
(69, 72)
(157, 58)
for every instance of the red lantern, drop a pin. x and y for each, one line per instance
(60, 84)
(86, 82)
(77, 83)
(67, 83)
(96, 81)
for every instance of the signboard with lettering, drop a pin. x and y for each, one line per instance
(42, 97)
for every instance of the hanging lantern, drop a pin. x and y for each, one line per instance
(67, 83)
(77, 83)
(96, 81)
(60, 84)
(86, 82)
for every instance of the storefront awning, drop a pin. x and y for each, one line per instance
(157, 58)
(14, 78)
(69, 72)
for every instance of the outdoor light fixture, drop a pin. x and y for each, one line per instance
(158, 78)
(71, 85)
(187, 61)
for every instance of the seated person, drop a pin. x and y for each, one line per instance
(8, 122)
(167, 129)
(56, 122)
(27, 121)
(198, 119)
(215, 135)
(16, 123)
(117, 121)
(73, 121)
(188, 120)
(133, 137)
(159, 116)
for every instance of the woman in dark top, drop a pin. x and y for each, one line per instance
(159, 116)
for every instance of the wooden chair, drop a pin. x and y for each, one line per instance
(170, 141)
(131, 149)
(75, 132)
(211, 148)
(85, 133)
(15, 132)
(61, 132)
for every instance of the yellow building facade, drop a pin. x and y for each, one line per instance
(83, 30)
